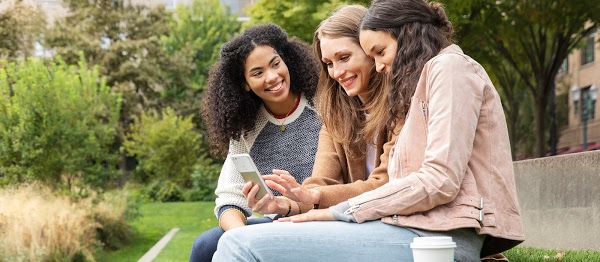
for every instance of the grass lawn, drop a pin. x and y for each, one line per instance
(192, 218)
(525, 254)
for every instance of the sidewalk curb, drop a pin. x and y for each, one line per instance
(155, 250)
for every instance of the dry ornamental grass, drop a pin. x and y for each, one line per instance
(37, 225)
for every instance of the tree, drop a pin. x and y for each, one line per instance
(299, 18)
(21, 26)
(533, 37)
(166, 145)
(57, 124)
(124, 40)
(197, 32)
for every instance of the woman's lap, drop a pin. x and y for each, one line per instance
(320, 241)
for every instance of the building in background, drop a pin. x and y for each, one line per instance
(581, 73)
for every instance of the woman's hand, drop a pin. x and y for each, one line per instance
(312, 215)
(286, 184)
(263, 205)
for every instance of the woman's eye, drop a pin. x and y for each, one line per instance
(345, 58)
(276, 63)
(329, 64)
(380, 52)
(257, 74)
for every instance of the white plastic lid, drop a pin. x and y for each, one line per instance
(432, 242)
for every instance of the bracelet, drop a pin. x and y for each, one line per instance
(243, 215)
(289, 206)
(299, 208)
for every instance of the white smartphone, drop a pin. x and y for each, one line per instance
(245, 165)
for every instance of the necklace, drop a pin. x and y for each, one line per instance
(282, 122)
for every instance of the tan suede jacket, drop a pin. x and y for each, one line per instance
(340, 177)
(451, 166)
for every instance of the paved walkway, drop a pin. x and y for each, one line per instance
(155, 250)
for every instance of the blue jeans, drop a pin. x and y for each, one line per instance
(316, 241)
(205, 245)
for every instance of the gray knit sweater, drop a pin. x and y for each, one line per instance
(293, 150)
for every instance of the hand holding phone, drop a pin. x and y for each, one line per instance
(245, 165)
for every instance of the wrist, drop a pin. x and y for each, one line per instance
(287, 209)
(232, 218)
(316, 197)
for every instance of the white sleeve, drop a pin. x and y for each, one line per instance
(230, 184)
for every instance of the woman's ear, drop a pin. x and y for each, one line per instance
(246, 87)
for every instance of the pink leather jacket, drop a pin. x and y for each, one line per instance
(451, 166)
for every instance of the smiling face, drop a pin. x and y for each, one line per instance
(268, 77)
(381, 46)
(347, 64)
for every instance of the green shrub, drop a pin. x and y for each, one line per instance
(166, 146)
(204, 180)
(164, 191)
(57, 124)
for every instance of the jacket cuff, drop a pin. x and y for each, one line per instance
(338, 212)
(224, 208)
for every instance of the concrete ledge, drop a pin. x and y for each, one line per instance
(155, 250)
(560, 201)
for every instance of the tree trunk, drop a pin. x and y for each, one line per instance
(540, 125)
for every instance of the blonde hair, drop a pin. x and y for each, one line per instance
(343, 116)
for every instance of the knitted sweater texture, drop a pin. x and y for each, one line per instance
(270, 148)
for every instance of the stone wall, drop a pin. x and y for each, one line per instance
(560, 201)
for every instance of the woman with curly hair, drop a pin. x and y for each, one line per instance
(259, 100)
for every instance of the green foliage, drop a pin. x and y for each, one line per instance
(125, 42)
(57, 124)
(204, 180)
(166, 145)
(196, 34)
(164, 191)
(532, 37)
(299, 18)
(199, 29)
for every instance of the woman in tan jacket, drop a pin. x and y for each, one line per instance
(352, 153)
(450, 169)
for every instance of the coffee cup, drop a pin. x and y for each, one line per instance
(433, 249)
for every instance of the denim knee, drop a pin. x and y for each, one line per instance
(205, 245)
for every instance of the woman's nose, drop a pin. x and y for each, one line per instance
(271, 76)
(380, 67)
(338, 72)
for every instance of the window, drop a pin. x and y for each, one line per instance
(588, 103)
(564, 67)
(587, 53)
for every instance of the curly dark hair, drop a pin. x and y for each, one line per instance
(228, 109)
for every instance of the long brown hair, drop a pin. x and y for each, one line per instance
(422, 30)
(343, 116)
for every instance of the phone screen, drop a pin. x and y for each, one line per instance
(249, 172)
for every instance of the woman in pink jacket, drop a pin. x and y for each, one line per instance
(450, 169)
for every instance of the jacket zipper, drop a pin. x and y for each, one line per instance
(353, 209)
